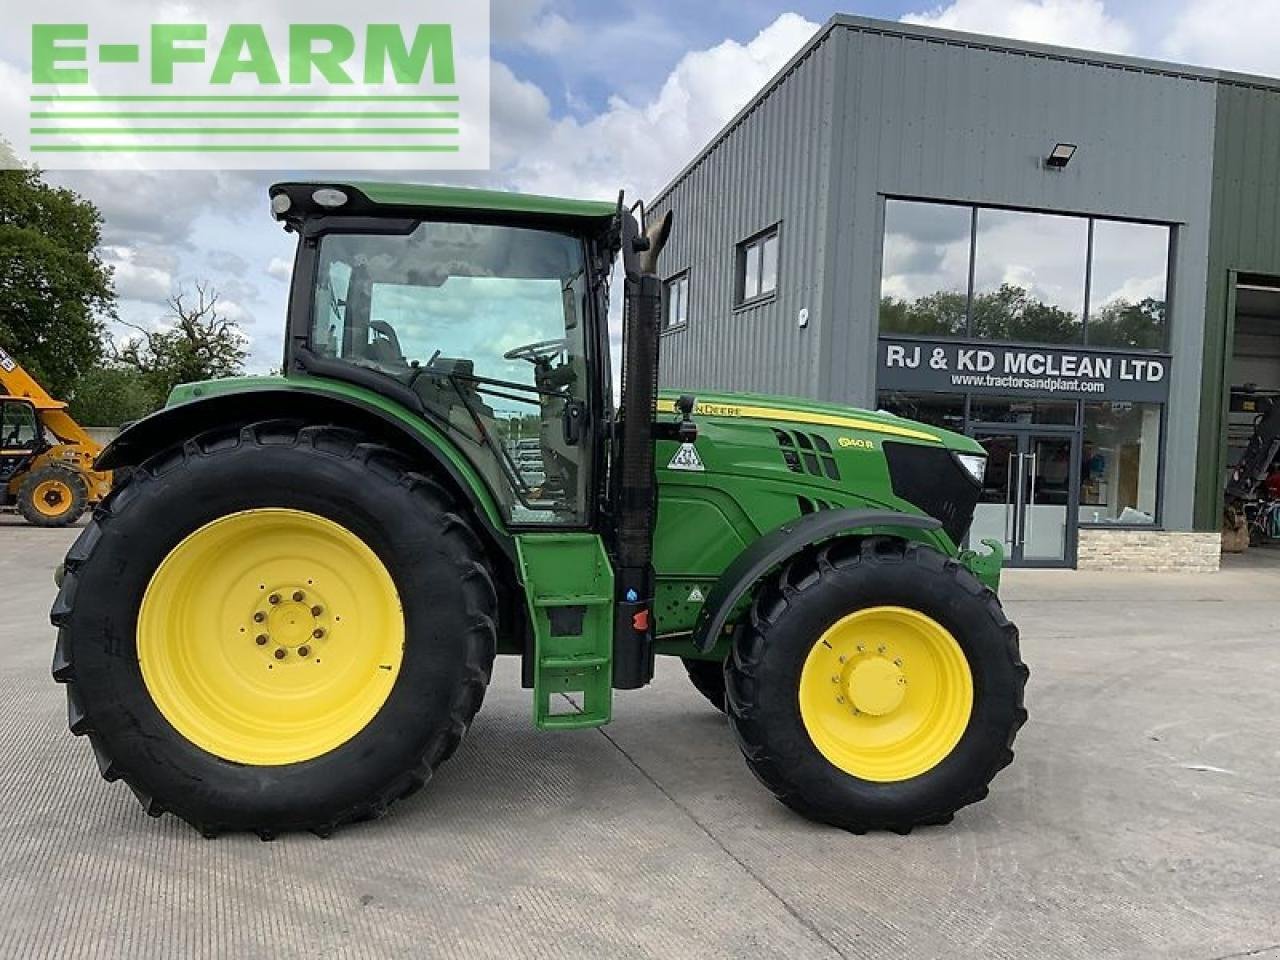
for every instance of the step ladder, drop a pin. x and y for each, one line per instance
(568, 584)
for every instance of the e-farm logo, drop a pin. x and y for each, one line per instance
(403, 86)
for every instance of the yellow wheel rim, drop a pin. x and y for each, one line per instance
(270, 636)
(886, 693)
(52, 498)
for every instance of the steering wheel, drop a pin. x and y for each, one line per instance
(535, 353)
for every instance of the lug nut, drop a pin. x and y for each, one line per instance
(317, 610)
(280, 653)
(260, 639)
(259, 617)
(274, 598)
(318, 632)
(897, 662)
(880, 649)
(297, 596)
(835, 679)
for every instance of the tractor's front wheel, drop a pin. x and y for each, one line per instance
(878, 686)
(275, 628)
(707, 677)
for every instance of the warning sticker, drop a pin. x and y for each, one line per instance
(695, 595)
(686, 458)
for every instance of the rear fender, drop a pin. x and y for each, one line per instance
(779, 545)
(174, 425)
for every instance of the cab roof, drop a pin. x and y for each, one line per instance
(375, 197)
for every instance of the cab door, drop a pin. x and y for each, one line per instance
(20, 437)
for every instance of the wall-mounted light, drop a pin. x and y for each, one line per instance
(1060, 155)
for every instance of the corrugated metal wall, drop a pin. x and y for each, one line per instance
(770, 168)
(1244, 236)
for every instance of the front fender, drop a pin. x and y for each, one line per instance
(779, 545)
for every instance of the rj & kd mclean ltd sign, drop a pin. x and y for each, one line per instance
(960, 367)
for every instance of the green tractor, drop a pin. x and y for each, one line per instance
(286, 617)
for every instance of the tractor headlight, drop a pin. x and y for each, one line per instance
(975, 464)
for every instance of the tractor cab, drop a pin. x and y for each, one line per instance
(497, 331)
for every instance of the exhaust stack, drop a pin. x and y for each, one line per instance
(635, 498)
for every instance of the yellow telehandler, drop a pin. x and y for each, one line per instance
(46, 458)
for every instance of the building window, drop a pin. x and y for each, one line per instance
(953, 270)
(1120, 462)
(924, 287)
(1128, 277)
(758, 266)
(1029, 277)
(676, 299)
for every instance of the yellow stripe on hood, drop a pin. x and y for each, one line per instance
(799, 416)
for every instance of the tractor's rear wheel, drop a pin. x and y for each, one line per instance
(53, 496)
(878, 686)
(275, 628)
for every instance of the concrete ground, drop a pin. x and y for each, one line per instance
(1140, 819)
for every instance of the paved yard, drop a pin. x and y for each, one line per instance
(1141, 818)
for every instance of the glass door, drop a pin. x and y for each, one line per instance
(1029, 495)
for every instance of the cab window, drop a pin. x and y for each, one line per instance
(486, 324)
(19, 429)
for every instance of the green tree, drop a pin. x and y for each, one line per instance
(1010, 313)
(109, 396)
(939, 314)
(195, 342)
(55, 292)
(1124, 324)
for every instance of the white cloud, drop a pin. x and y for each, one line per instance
(139, 274)
(279, 268)
(1068, 23)
(1227, 34)
(552, 34)
(639, 145)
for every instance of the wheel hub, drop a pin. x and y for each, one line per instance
(51, 497)
(886, 693)
(298, 621)
(876, 686)
(270, 636)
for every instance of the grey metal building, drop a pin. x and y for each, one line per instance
(1049, 249)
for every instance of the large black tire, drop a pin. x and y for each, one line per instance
(413, 526)
(70, 502)
(707, 677)
(789, 616)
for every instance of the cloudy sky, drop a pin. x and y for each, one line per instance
(591, 97)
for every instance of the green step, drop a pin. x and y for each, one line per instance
(568, 585)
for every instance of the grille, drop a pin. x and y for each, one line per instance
(813, 505)
(932, 480)
(807, 453)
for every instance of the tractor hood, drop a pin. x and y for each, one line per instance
(798, 412)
